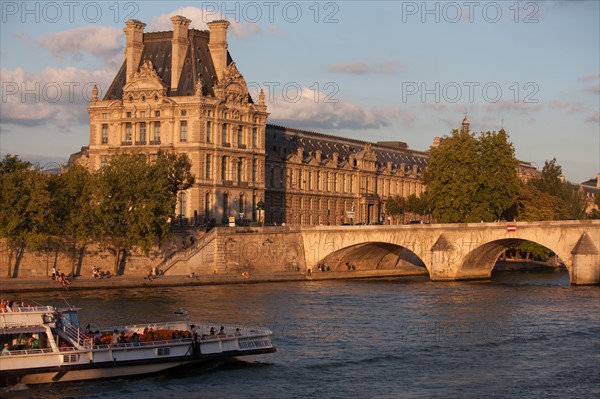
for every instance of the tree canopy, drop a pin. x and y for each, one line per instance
(127, 203)
(472, 178)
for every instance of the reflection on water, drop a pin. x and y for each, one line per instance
(517, 335)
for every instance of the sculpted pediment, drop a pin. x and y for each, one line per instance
(294, 159)
(145, 80)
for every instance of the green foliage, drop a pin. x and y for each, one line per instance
(418, 205)
(470, 178)
(126, 204)
(534, 251)
(178, 168)
(561, 200)
(395, 205)
(135, 202)
(24, 204)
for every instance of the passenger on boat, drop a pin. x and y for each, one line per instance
(5, 351)
(221, 331)
(115, 337)
(212, 331)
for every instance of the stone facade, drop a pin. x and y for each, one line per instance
(181, 92)
(317, 179)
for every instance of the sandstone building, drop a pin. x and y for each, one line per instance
(180, 91)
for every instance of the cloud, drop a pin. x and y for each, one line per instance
(595, 76)
(54, 96)
(99, 41)
(593, 118)
(362, 67)
(316, 110)
(508, 106)
(199, 18)
(570, 107)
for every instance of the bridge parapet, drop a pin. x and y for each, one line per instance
(467, 250)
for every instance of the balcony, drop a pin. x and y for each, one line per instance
(227, 145)
(242, 184)
(228, 183)
(242, 146)
(125, 143)
(154, 142)
(140, 142)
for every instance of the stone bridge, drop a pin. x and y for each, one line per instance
(453, 251)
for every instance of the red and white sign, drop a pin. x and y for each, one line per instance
(511, 227)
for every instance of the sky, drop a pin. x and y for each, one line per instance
(376, 71)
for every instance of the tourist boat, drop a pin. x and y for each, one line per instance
(43, 344)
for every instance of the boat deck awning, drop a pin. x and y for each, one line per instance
(22, 330)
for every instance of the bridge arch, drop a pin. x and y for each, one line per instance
(483, 258)
(372, 255)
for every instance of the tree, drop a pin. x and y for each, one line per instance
(567, 200)
(470, 178)
(75, 217)
(179, 170)
(24, 204)
(395, 205)
(135, 202)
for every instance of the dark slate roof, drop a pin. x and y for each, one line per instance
(590, 186)
(290, 139)
(157, 49)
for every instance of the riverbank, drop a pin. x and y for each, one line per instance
(522, 266)
(121, 282)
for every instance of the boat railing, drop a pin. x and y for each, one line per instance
(126, 345)
(28, 309)
(21, 352)
(76, 334)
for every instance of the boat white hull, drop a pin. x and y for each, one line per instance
(98, 373)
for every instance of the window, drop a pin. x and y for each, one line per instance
(318, 180)
(224, 168)
(254, 164)
(156, 132)
(225, 205)
(183, 131)
(207, 207)
(128, 132)
(142, 132)
(224, 133)
(157, 113)
(182, 204)
(129, 114)
(183, 112)
(105, 116)
(240, 166)
(142, 114)
(272, 177)
(208, 132)
(254, 138)
(103, 161)
(240, 136)
(208, 165)
(104, 133)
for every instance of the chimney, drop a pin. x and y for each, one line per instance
(300, 153)
(335, 157)
(134, 44)
(318, 154)
(179, 45)
(217, 44)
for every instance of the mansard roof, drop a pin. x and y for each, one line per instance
(198, 64)
(288, 140)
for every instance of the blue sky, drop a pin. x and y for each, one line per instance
(368, 70)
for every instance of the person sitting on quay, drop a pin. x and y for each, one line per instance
(63, 280)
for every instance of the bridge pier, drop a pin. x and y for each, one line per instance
(585, 269)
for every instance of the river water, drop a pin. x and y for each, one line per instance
(525, 335)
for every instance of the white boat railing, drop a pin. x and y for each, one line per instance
(76, 334)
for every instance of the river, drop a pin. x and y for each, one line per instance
(525, 335)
